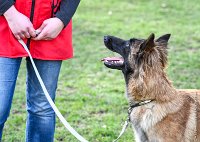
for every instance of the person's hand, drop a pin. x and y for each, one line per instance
(19, 24)
(49, 29)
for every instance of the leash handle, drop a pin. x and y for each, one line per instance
(62, 119)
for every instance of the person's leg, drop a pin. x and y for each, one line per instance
(9, 68)
(41, 117)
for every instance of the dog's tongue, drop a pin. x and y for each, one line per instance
(112, 59)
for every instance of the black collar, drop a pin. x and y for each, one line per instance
(129, 119)
(137, 105)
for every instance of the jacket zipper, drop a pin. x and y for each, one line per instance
(31, 19)
(53, 6)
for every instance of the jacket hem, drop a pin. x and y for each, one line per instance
(35, 57)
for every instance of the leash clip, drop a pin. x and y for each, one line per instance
(125, 126)
(37, 32)
(128, 120)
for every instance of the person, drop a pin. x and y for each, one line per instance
(46, 28)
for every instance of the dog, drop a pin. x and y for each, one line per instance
(171, 115)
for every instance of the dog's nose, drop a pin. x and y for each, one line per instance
(107, 39)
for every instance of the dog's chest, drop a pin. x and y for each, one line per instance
(143, 119)
(140, 135)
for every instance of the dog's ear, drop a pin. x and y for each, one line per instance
(163, 38)
(148, 44)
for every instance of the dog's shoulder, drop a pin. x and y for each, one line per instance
(193, 94)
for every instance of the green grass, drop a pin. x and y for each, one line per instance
(91, 96)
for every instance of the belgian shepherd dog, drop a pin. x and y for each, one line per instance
(171, 115)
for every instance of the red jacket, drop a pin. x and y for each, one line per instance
(59, 48)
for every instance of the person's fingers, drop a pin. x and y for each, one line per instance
(47, 38)
(32, 32)
(41, 36)
(39, 30)
(17, 37)
(22, 36)
(26, 34)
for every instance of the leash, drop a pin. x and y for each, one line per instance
(128, 120)
(62, 119)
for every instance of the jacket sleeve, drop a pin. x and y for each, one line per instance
(5, 5)
(67, 10)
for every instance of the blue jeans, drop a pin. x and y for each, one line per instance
(40, 124)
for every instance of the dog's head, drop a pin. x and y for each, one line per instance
(137, 54)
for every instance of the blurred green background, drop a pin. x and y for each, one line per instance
(90, 96)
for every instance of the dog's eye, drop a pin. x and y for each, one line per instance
(127, 44)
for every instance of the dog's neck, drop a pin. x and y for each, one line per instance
(150, 86)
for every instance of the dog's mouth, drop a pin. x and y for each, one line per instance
(113, 62)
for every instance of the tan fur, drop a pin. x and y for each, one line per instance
(174, 115)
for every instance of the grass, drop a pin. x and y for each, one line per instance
(89, 95)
